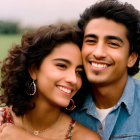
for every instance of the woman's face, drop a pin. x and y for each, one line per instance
(59, 76)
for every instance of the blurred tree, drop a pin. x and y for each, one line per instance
(9, 27)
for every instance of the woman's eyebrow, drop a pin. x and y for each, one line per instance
(67, 61)
(62, 59)
(80, 66)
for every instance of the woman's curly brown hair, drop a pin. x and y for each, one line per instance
(33, 49)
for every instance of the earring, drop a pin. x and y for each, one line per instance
(31, 88)
(72, 105)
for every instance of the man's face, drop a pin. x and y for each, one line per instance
(105, 51)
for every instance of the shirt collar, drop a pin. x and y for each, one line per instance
(88, 102)
(128, 95)
(89, 105)
(127, 98)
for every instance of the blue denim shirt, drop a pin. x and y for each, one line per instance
(123, 122)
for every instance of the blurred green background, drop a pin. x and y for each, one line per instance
(6, 41)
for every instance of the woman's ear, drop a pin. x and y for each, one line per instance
(132, 59)
(32, 71)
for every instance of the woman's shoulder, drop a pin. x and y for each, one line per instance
(83, 133)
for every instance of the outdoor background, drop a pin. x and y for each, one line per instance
(19, 16)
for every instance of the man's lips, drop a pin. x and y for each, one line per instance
(99, 65)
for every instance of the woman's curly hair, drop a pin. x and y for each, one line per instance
(33, 49)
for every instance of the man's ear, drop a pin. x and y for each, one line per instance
(132, 59)
(32, 71)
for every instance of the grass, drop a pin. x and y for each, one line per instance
(6, 42)
(137, 76)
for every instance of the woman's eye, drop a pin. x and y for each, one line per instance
(61, 66)
(80, 72)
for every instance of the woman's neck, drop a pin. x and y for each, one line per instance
(44, 116)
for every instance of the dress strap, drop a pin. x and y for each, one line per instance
(69, 132)
(5, 115)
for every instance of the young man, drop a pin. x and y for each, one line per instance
(111, 49)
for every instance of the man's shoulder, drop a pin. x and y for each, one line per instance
(137, 81)
(135, 90)
(136, 84)
(132, 81)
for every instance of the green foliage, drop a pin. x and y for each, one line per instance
(137, 75)
(8, 27)
(6, 42)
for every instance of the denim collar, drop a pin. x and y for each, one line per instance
(127, 99)
(128, 95)
(89, 105)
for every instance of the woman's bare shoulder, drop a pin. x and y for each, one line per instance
(83, 133)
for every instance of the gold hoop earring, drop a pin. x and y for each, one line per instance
(71, 105)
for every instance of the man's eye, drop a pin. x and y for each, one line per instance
(90, 41)
(114, 44)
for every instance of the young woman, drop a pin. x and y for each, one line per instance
(39, 78)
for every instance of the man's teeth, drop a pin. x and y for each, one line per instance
(64, 89)
(99, 65)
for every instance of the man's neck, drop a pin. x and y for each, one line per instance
(106, 96)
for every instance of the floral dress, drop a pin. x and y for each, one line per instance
(6, 117)
(69, 132)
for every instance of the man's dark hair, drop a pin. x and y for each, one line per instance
(120, 12)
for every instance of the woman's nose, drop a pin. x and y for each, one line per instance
(71, 77)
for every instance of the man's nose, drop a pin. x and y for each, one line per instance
(99, 50)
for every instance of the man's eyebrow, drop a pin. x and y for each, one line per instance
(90, 35)
(115, 38)
(62, 59)
(107, 37)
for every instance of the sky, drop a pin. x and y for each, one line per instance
(41, 12)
